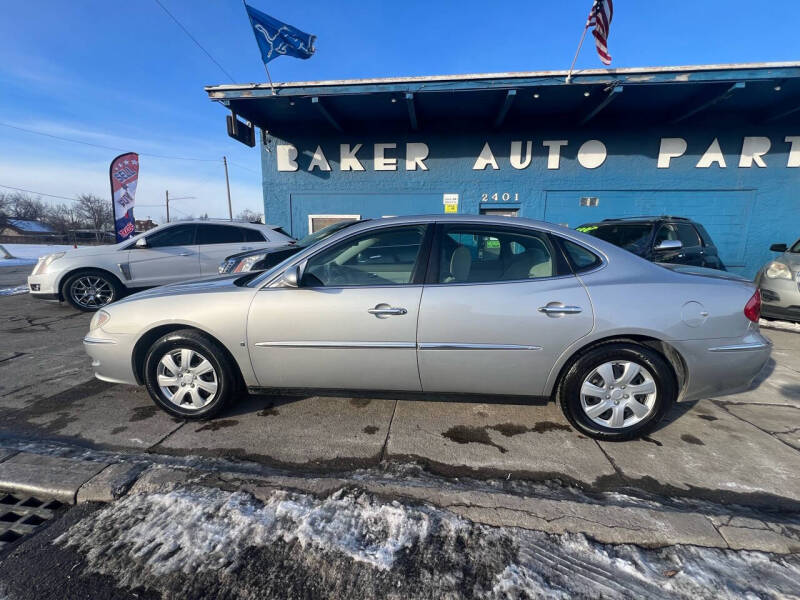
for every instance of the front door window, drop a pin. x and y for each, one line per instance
(381, 257)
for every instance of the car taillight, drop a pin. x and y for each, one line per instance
(752, 310)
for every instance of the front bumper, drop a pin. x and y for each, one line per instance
(44, 286)
(725, 366)
(780, 298)
(111, 356)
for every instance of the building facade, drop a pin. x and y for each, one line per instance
(718, 144)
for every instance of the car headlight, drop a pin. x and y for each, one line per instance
(99, 319)
(247, 263)
(45, 261)
(777, 270)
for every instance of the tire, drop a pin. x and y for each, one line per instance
(200, 392)
(104, 288)
(606, 409)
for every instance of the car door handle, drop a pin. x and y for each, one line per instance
(555, 309)
(384, 310)
(186, 253)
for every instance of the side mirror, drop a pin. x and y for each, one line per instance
(778, 247)
(669, 245)
(141, 243)
(291, 277)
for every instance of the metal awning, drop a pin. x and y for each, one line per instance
(755, 93)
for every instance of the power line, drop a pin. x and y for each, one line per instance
(230, 162)
(8, 187)
(199, 45)
(65, 139)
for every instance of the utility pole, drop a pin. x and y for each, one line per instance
(167, 206)
(228, 185)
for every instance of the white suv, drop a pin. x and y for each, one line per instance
(89, 278)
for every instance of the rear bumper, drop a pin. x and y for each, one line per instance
(720, 367)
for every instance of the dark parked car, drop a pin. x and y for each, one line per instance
(260, 260)
(662, 239)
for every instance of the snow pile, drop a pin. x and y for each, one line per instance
(13, 291)
(28, 254)
(783, 325)
(200, 542)
(192, 530)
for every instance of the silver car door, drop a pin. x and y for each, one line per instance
(500, 311)
(170, 256)
(351, 323)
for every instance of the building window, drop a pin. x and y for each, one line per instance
(500, 212)
(317, 222)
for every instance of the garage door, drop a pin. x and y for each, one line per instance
(725, 214)
(326, 207)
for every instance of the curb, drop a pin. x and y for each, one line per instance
(647, 524)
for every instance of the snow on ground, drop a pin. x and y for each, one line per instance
(13, 291)
(783, 325)
(199, 541)
(28, 254)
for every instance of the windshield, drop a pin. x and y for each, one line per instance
(796, 247)
(633, 237)
(315, 237)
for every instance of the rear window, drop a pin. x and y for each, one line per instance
(252, 235)
(633, 237)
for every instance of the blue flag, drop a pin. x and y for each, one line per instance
(276, 38)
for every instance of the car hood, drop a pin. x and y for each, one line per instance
(791, 260)
(263, 251)
(703, 272)
(196, 286)
(91, 250)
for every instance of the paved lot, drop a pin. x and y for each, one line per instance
(743, 448)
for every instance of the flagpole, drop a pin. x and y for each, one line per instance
(575, 58)
(266, 68)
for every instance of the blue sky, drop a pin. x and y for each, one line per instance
(124, 75)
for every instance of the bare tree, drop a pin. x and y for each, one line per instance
(250, 216)
(25, 206)
(96, 211)
(64, 218)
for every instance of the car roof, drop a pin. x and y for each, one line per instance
(221, 222)
(644, 219)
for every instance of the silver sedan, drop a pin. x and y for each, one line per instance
(779, 282)
(445, 304)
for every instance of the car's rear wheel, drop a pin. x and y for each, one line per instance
(189, 375)
(617, 391)
(91, 290)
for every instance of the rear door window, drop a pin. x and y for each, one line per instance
(479, 254)
(218, 234)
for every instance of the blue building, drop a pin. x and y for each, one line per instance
(719, 144)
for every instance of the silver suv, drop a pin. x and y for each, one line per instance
(89, 278)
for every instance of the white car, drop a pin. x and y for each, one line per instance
(89, 278)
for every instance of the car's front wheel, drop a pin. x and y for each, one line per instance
(189, 375)
(617, 391)
(91, 290)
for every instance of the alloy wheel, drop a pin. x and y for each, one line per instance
(187, 378)
(618, 394)
(91, 291)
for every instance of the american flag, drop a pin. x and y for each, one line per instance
(600, 18)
